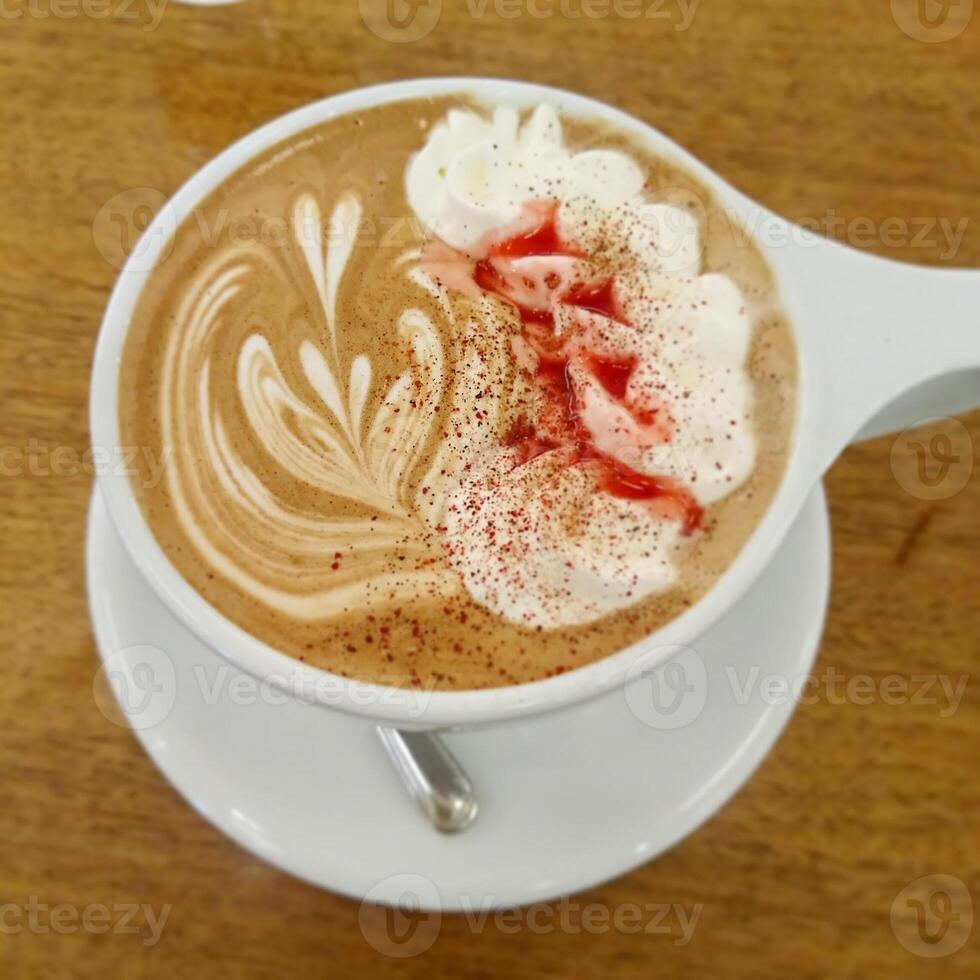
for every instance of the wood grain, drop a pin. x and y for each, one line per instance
(814, 108)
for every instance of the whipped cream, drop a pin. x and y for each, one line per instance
(474, 175)
(536, 545)
(684, 414)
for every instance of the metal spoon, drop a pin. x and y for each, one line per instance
(433, 777)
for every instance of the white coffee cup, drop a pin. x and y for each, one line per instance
(867, 330)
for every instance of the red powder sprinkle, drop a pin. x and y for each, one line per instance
(529, 445)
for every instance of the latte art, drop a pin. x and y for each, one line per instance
(506, 440)
(340, 441)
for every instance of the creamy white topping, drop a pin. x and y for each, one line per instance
(474, 175)
(478, 182)
(537, 545)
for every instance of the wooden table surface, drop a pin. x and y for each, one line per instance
(848, 114)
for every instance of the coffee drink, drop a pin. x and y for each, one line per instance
(454, 396)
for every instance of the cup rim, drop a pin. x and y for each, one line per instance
(386, 704)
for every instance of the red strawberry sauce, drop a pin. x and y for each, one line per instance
(564, 429)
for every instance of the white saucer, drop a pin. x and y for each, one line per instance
(566, 801)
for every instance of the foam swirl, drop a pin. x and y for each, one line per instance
(340, 442)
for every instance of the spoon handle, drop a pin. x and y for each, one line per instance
(433, 777)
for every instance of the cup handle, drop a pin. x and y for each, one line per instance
(884, 344)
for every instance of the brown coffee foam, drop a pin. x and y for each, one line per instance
(445, 641)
